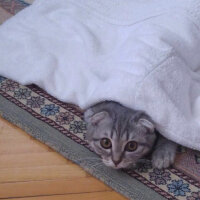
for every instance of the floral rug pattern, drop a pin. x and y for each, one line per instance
(181, 182)
(171, 183)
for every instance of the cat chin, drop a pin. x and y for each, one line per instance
(112, 165)
(117, 167)
(120, 167)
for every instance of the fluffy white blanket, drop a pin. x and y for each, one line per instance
(142, 53)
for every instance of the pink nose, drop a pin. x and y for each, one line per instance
(116, 162)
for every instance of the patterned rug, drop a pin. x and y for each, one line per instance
(60, 126)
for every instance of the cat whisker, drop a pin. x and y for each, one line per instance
(106, 162)
(98, 164)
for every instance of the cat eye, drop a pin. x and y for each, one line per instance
(131, 146)
(105, 143)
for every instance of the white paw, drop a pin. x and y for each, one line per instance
(163, 158)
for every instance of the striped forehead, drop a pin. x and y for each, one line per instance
(120, 130)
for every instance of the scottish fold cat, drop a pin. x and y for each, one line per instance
(122, 136)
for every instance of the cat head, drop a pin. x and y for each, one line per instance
(119, 135)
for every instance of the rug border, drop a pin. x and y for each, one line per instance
(77, 111)
(75, 151)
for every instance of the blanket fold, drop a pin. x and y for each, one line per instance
(143, 54)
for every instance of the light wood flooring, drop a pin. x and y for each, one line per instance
(30, 170)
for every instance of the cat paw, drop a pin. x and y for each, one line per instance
(163, 158)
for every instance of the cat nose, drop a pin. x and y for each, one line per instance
(116, 162)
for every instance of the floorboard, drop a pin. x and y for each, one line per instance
(30, 170)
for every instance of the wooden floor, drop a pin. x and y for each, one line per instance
(30, 170)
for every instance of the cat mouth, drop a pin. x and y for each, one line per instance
(117, 167)
(120, 167)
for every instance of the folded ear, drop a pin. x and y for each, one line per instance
(147, 123)
(96, 118)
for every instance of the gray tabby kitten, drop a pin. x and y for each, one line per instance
(122, 136)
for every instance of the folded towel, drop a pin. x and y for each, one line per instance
(143, 54)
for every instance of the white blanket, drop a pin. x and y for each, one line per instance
(144, 54)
